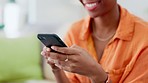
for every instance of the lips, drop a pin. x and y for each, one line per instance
(91, 5)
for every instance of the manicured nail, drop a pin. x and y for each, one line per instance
(42, 53)
(48, 49)
(52, 47)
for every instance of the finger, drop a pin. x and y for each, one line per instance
(59, 66)
(50, 60)
(44, 48)
(58, 56)
(54, 63)
(47, 54)
(65, 50)
(51, 63)
(64, 65)
(46, 51)
(75, 46)
(67, 66)
(43, 53)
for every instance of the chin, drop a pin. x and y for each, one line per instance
(92, 15)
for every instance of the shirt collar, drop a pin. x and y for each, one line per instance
(124, 31)
(125, 28)
(85, 31)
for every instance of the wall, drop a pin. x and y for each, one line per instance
(137, 7)
(54, 11)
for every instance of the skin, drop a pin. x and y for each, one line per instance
(105, 20)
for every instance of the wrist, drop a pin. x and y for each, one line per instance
(56, 70)
(100, 79)
(98, 75)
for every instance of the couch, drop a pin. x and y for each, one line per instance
(21, 62)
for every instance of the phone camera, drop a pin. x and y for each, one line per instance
(42, 38)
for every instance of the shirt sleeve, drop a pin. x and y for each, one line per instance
(139, 73)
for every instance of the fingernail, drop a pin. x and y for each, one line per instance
(48, 49)
(42, 53)
(54, 48)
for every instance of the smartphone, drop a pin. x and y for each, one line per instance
(51, 40)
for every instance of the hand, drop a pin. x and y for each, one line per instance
(79, 61)
(51, 62)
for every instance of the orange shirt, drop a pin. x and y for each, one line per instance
(125, 57)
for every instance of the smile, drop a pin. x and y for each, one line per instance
(92, 5)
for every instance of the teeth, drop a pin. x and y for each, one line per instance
(91, 5)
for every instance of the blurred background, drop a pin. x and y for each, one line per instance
(46, 16)
(21, 20)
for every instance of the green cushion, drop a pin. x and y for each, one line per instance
(20, 59)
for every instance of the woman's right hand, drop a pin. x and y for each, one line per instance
(46, 54)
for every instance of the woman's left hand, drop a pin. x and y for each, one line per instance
(77, 60)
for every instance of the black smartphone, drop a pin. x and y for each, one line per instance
(51, 40)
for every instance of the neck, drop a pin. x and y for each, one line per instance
(107, 23)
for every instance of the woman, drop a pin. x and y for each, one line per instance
(108, 46)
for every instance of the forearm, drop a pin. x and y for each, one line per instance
(60, 76)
